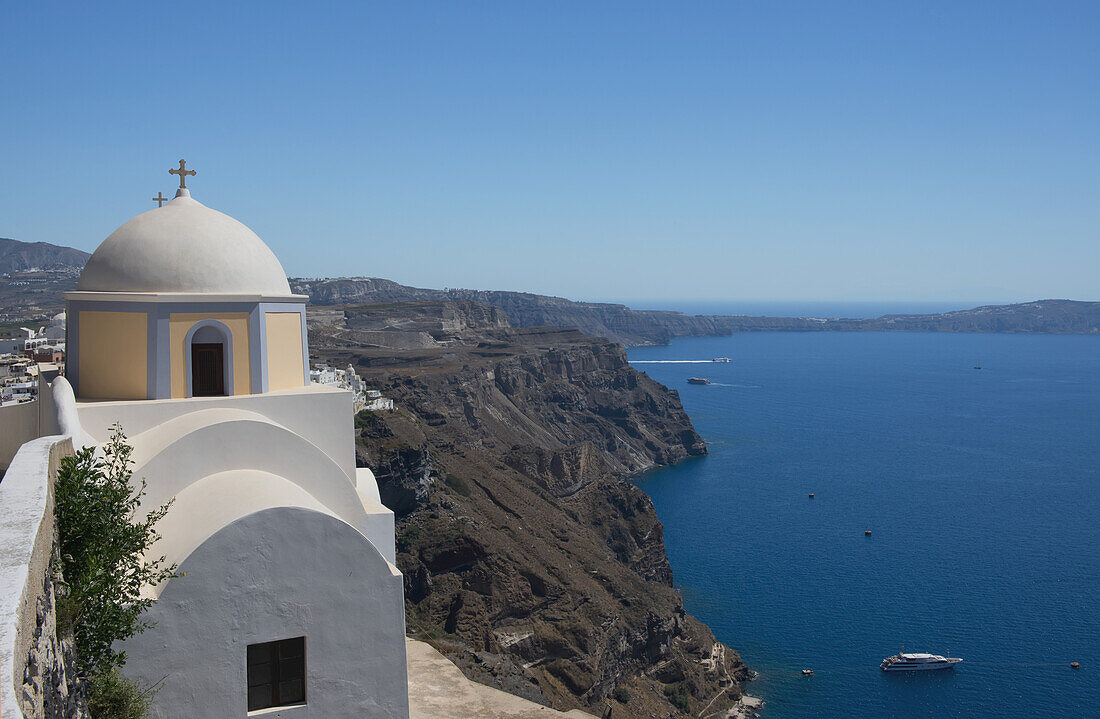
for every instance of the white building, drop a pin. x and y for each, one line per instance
(349, 379)
(18, 379)
(323, 375)
(56, 329)
(183, 329)
(27, 338)
(380, 404)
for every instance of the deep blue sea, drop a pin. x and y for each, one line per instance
(981, 488)
(802, 309)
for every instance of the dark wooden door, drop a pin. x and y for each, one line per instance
(207, 370)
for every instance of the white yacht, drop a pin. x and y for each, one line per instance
(917, 662)
(721, 359)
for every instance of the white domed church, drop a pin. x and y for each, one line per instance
(183, 328)
(189, 303)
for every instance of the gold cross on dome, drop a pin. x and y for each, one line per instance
(160, 199)
(183, 172)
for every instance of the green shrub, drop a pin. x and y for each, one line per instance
(113, 696)
(458, 484)
(103, 547)
(621, 695)
(678, 695)
(407, 540)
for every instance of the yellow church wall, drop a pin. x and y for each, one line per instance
(178, 326)
(113, 354)
(285, 364)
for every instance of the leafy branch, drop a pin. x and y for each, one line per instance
(104, 547)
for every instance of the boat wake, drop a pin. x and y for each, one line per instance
(671, 361)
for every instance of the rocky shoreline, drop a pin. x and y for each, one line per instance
(747, 707)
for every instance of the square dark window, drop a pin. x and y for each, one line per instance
(276, 673)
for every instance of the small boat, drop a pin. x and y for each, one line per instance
(867, 533)
(811, 495)
(698, 380)
(1075, 665)
(807, 672)
(977, 366)
(902, 662)
(721, 359)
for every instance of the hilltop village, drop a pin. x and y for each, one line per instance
(408, 511)
(31, 353)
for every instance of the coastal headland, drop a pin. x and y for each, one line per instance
(528, 558)
(631, 327)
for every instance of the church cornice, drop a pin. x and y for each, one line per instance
(86, 296)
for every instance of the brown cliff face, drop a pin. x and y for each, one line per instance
(526, 554)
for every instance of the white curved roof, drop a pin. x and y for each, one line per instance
(184, 247)
(176, 454)
(214, 502)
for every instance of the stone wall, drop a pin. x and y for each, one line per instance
(36, 681)
(51, 689)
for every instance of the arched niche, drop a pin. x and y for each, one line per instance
(208, 349)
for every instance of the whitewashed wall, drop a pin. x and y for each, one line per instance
(278, 574)
(18, 424)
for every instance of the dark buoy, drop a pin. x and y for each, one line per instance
(867, 533)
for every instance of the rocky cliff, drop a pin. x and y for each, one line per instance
(616, 322)
(627, 326)
(528, 556)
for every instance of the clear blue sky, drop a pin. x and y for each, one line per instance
(720, 150)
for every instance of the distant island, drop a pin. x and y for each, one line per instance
(34, 275)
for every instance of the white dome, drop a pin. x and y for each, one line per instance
(184, 247)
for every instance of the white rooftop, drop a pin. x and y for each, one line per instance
(184, 247)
